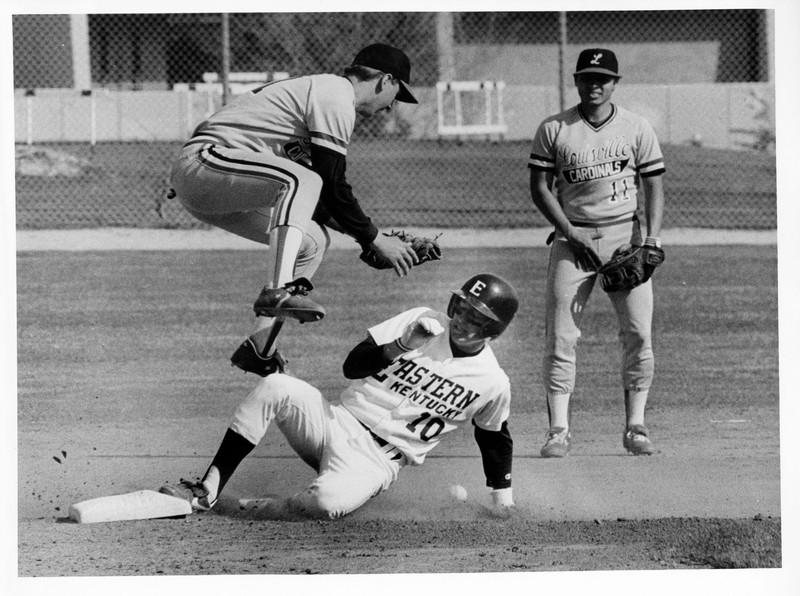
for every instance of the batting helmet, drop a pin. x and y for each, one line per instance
(490, 295)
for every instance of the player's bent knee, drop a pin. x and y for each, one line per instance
(317, 503)
(563, 344)
(636, 342)
(281, 394)
(333, 507)
(284, 385)
(275, 383)
(273, 388)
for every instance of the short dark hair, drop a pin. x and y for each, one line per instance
(362, 73)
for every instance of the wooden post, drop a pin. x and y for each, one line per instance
(444, 41)
(226, 57)
(81, 63)
(562, 67)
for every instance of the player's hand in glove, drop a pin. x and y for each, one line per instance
(418, 333)
(652, 256)
(390, 252)
(581, 242)
(630, 266)
(379, 254)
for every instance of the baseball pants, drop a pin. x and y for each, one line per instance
(352, 467)
(568, 291)
(258, 196)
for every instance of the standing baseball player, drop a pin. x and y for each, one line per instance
(589, 166)
(270, 167)
(415, 378)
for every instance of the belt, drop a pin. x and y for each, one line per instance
(588, 224)
(390, 450)
(605, 224)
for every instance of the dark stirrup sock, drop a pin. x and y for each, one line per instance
(232, 450)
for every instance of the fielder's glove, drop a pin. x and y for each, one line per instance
(630, 266)
(427, 249)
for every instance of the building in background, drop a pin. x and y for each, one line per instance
(155, 51)
(102, 102)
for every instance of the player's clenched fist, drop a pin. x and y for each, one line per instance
(418, 333)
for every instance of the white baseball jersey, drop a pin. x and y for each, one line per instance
(595, 169)
(427, 393)
(285, 117)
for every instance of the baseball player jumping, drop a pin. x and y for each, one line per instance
(416, 377)
(270, 167)
(588, 167)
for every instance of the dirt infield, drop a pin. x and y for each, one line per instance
(119, 390)
(597, 509)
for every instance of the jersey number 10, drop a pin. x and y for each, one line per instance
(431, 429)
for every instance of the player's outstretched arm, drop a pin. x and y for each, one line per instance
(337, 197)
(497, 448)
(398, 254)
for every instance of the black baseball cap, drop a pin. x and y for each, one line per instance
(597, 60)
(388, 59)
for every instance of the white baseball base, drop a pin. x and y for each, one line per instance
(142, 504)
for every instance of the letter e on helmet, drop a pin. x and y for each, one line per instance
(492, 296)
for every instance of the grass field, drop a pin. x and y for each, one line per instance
(405, 183)
(715, 327)
(124, 382)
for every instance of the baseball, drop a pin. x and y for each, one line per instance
(458, 492)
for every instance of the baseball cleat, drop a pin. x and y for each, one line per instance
(289, 301)
(194, 492)
(248, 359)
(557, 442)
(635, 440)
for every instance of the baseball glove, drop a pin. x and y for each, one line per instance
(427, 249)
(629, 266)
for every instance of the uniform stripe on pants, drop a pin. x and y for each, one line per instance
(240, 167)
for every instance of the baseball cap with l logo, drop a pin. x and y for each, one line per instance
(388, 59)
(599, 61)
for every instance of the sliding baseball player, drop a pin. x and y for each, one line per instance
(416, 377)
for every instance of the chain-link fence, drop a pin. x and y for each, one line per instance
(103, 103)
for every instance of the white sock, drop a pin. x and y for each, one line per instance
(211, 482)
(263, 337)
(635, 402)
(558, 405)
(284, 244)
